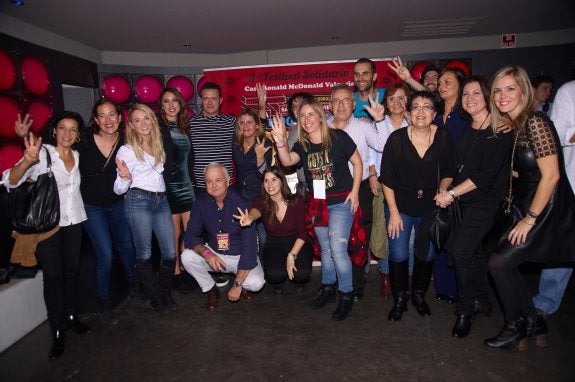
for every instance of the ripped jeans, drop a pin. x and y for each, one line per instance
(335, 262)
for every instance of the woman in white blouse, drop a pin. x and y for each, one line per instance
(140, 166)
(59, 254)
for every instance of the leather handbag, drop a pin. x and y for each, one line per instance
(35, 206)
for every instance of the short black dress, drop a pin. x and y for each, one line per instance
(552, 238)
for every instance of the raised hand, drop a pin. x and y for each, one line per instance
(397, 66)
(32, 146)
(22, 127)
(262, 95)
(278, 130)
(375, 109)
(243, 218)
(123, 169)
(260, 149)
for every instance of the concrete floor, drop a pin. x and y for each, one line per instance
(279, 338)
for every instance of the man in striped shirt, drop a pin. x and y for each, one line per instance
(211, 134)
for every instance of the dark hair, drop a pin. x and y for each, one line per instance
(391, 91)
(485, 89)
(212, 86)
(94, 115)
(538, 80)
(427, 69)
(460, 77)
(299, 95)
(48, 135)
(269, 205)
(422, 94)
(182, 118)
(367, 61)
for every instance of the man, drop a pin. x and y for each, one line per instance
(211, 134)
(365, 136)
(364, 77)
(542, 88)
(229, 248)
(553, 281)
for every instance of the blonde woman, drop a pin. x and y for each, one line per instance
(140, 166)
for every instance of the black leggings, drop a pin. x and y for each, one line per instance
(59, 258)
(275, 254)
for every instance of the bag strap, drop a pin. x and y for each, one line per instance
(510, 193)
(110, 154)
(48, 160)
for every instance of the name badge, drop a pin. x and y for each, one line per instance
(319, 188)
(223, 240)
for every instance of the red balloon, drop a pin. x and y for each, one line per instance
(8, 74)
(10, 154)
(200, 84)
(116, 87)
(8, 115)
(148, 89)
(183, 85)
(417, 69)
(35, 76)
(458, 64)
(40, 112)
(191, 112)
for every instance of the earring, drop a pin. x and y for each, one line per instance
(78, 140)
(53, 134)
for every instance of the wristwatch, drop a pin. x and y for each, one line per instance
(453, 194)
(532, 214)
(237, 284)
(293, 256)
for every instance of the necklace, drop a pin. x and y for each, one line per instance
(420, 190)
(484, 119)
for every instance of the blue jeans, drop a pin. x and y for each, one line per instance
(149, 213)
(399, 248)
(383, 264)
(552, 286)
(333, 240)
(105, 224)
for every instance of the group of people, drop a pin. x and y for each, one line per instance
(214, 191)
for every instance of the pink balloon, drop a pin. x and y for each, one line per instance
(183, 85)
(40, 112)
(8, 74)
(458, 64)
(8, 115)
(10, 154)
(35, 76)
(417, 69)
(191, 113)
(200, 84)
(148, 89)
(116, 87)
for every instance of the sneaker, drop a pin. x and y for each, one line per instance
(221, 279)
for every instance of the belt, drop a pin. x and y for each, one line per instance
(151, 193)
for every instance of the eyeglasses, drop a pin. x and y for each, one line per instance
(425, 108)
(345, 101)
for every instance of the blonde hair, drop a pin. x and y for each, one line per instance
(522, 78)
(303, 137)
(259, 128)
(154, 140)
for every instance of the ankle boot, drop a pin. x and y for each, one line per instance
(462, 325)
(512, 334)
(326, 295)
(165, 276)
(398, 274)
(72, 322)
(421, 276)
(344, 306)
(536, 327)
(105, 312)
(385, 288)
(482, 307)
(58, 344)
(136, 291)
(149, 284)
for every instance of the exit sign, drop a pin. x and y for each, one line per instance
(509, 40)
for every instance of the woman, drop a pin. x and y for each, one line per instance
(409, 173)
(59, 254)
(179, 191)
(395, 101)
(286, 252)
(325, 154)
(480, 186)
(543, 207)
(140, 166)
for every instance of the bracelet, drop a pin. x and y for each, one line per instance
(293, 256)
(280, 146)
(453, 194)
(381, 120)
(370, 175)
(523, 221)
(206, 253)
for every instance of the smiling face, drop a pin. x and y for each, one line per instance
(309, 120)
(363, 77)
(448, 86)
(473, 99)
(216, 183)
(272, 184)
(247, 125)
(107, 119)
(422, 112)
(211, 101)
(66, 131)
(342, 104)
(507, 96)
(141, 122)
(396, 103)
(430, 80)
(170, 106)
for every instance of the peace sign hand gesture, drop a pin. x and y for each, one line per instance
(397, 66)
(243, 217)
(22, 127)
(375, 109)
(32, 146)
(260, 150)
(278, 130)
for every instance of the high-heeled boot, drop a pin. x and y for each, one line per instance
(512, 334)
(344, 306)
(74, 323)
(462, 325)
(148, 280)
(421, 276)
(398, 274)
(165, 276)
(58, 344)
(326, 295)
(536, 327)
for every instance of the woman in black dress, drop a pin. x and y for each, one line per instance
(543, 207)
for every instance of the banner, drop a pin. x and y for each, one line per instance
(281, 81)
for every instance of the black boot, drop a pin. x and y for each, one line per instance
(105, 312)
(165, 284)
(462, 325)
(58, 344)
(136, 291)
(536, 327)
(344, 307)
(72, 322)
(148, 281)
(512, 334)
(398, 276)
(421, 277)
(326, 295)
(482, 307)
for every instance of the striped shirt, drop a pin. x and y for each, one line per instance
(212, 139)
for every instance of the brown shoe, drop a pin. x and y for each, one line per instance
(247, 295)
(213, 297)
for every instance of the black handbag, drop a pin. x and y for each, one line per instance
(35, 206)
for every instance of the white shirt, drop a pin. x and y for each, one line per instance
(389, 128)
(71, 204)
(366, 135)
(146, 175)
(563, 116)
